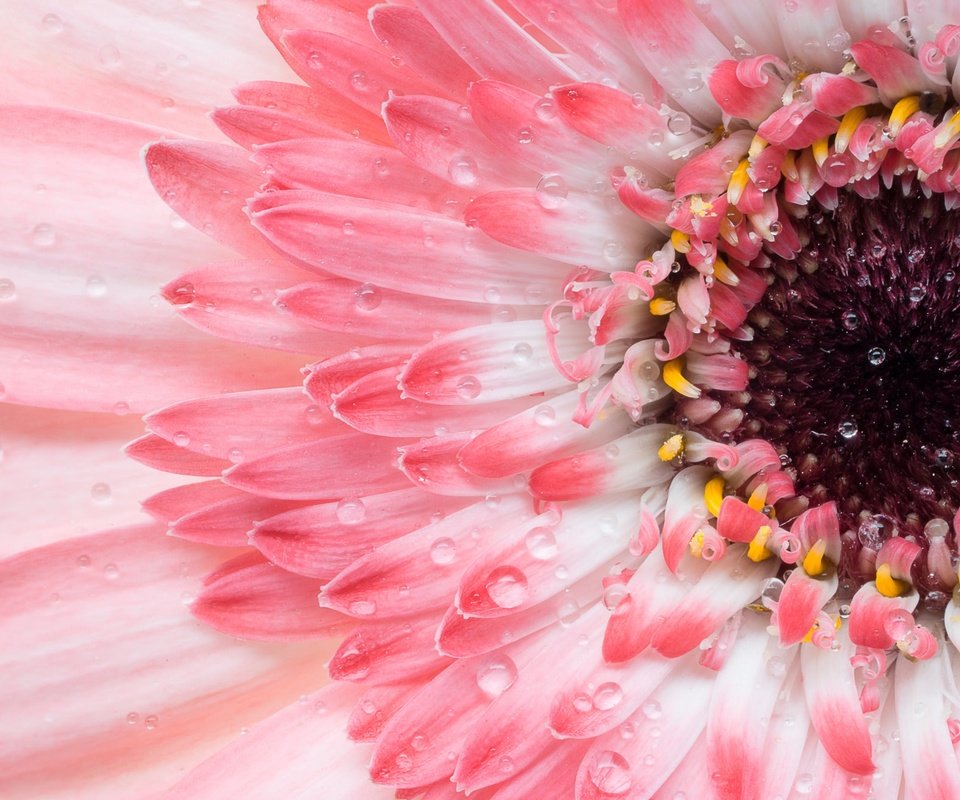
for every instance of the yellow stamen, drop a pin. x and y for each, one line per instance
(948, 131)
(814, 562)
(757, 146)
(851, 120)
(889, 586)
(757, 551)
(713, 494)
(673, 377)
(758, 498)
(696, 544)
(738, 182)
(902, 111)
(671, 448)
(816, 626)
(724, 274)
(680, 241)
(700, 207)
(660, 306)
(788, 168)
(820, 150)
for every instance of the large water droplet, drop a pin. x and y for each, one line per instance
(610, 773)
(443, 551)
(8, 290)
(463, 170)
(367, 297)
(496, 674)
(468, 387)
(607, 696)
(876, 356)
(552, 192)
(351, 511)
(541, 543)
(507, 587)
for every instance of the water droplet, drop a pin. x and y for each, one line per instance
(507, 587)
(568, 613)
(83, 561)
(184, 294)
(679, 123)
(96, 286)
(850, 320)
(614, 595)
(110, 58)
(347, 228)
(443, 551)
(612, 251)
(541, 543)
(51, 24)
(546, 109)
(367, 297)
(917, 293)
(607, 696)
(652, 710)
(150, 722)
(351, 511)
(552, 191)
(936, 529)
(545, 416)
(776, 667)
(100, 493)
(609, 772)
(43, 235)
(362, 608)
(463, 170)
(848, 429)
(133, 718)
(496, 674)
(522, 353)
(111, 572)
(804, 783)
(359, 81)
(8, 290)
(876, 356)
(525, 136)
(468, 387)
(181, 439)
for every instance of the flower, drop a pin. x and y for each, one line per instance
(609, 468)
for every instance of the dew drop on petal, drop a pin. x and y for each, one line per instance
(850, 320)
(181, 439)
(351, 511)
(609, 772)
(522, 353)
(607, 696)
(43, 236)
(150, 722)
(545, 416)
(496, 674)
(133, 718)
(51, 24)
(848, 429)
(443, 551)
(876, 356)
(100, 493)
(363, 608)
(552, 191)
(507, 587)
(652, 710)
(541, 543)
(462, 170)
(367, 297)
(468, 387)
(111, 572)
(8, 290)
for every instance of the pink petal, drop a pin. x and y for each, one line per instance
(555, 771)
(93, 702)
(158, 453)
(738, 522)
(376, 706)
(801, 601)
(389, 653)
(327, 378)
(896, 73)
(388, 242)
(228, 522)
(815, 36)
(319, 541)
(834, 706)
(871, 613)
(332, 467)
(251, 598)
(432, 464)
(251, 126)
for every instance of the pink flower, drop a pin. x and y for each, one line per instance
(608, 474)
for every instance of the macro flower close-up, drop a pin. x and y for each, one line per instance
(492, 398)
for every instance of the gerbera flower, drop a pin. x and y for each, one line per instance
(622, 460)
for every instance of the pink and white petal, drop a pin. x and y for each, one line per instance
(389, 653)
(782, 753)
(68, 476)
(412, 39)
(750, 26)
(440, 138)
(802, 599)
(432, 463)
(332, 375)
(662, 736)
(726, 586)
(354, 168)
(421, 570)
(99, 316)
(815, 36)
(243, 425)
(299, 753)
(168, 67)
(738, 522)
(319, 541)
(105, 711)
(375, 708)
(896, 73)
(930, 766)
(346, 18)
(691, 775)
(678, 49)
(490, 372)
(518, 443)
(871, 613)
(374, 404)
(555, 771)
(513, 120)
(171, 504)
(745, 699)
(346, 464)
(206, 184)
(494, 45)
(252, 126)
(228, 522)
(400, 248)
(581, 231)
(157, 453)
(859, 17)
(250, 598)
(686, 511)
(834, 705)
(237, 301)
(927, 17)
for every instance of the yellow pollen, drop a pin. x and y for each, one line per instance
(758, 498)
(757, 551)
(902, 111)
(680, 241)
(724, 274)
(713, 494)
(660, 306)
(738, 182)
(820, 150)
(950, 130)
(851, 120)
(889, 586)
(814, 562)
(673, 377)
(671, 448)
(789, 167)
(756, 146)
(696, 544)
(700, 207)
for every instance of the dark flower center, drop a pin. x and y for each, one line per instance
(857, 362)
